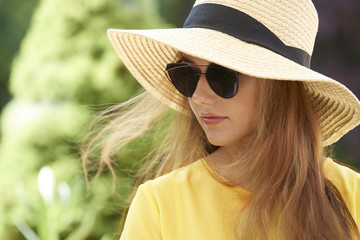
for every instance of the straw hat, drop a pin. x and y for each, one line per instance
(271, 39)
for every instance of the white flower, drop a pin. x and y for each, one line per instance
(46, 183)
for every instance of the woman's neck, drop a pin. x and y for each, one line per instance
(222, 161)
(225, 155)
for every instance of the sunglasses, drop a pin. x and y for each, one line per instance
(185, 77)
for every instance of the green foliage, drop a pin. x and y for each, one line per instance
(66, 54)
(14, 20)
(65, 62)
(176, 11)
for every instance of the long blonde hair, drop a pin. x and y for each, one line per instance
(282, 166)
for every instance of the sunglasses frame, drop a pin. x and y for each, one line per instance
(197, 73)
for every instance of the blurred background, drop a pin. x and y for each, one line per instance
(57, 68)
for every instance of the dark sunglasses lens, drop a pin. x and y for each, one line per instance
(223, 81)
(183, 78)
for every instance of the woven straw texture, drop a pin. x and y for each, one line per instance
(146, 53)
(295, 23)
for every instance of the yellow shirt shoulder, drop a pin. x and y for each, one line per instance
(189, 203)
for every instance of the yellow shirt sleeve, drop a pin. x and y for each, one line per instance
(347, 182)
(187, 203)
(142, 221)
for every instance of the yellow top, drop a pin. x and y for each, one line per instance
(189, 203)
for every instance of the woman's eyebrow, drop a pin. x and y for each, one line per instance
(184, 59)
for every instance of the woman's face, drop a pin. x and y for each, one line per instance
(224, 121)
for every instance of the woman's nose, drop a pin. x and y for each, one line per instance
(203, 93)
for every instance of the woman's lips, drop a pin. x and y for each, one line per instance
(212, 119)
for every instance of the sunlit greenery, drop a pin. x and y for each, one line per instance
(65, 67)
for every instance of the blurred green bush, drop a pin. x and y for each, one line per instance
(65, 66)
(14, 20)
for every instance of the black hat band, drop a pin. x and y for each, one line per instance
(243, 27)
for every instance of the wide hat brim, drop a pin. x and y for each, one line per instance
(147, 52)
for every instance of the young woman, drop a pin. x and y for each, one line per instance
(242, 155)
